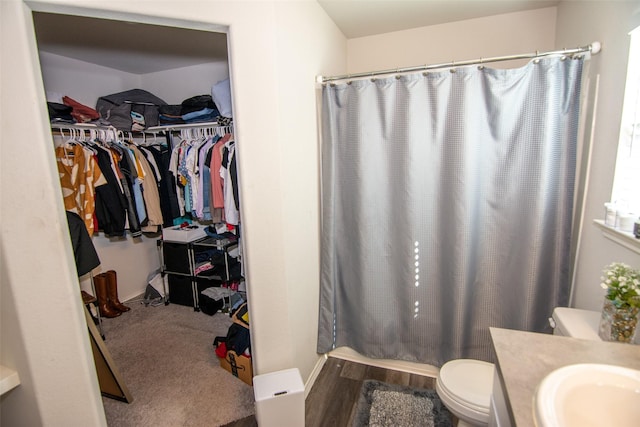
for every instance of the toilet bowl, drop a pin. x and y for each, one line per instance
(465, 386)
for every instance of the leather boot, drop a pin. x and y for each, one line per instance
(112, 292)
(100, 282)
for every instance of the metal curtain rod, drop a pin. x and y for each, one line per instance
(593, 48)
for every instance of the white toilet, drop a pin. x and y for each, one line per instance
(576, 323)
(465, 385)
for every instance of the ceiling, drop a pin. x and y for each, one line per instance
(359, 18)
(127, 46)
(142, 48)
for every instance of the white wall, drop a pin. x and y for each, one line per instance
(43, 332)
(81, 80)
(498, 35)
(580, 23)
(176, 85)
(305, 55)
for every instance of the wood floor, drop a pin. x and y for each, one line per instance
(333, 397)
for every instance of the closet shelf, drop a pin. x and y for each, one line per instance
(183, 126)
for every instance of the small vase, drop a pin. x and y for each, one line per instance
(618, 324)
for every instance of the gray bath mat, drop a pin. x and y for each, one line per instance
(382, 404)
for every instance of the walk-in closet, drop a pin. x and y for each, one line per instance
(185, 252)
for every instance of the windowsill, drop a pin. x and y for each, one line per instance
(622, 238)
(9, 379)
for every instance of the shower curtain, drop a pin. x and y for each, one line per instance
(446, 208)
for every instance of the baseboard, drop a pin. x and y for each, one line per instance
(314, 375)
(348, 353)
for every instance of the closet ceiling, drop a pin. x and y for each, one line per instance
(359, 18)
(126, 46)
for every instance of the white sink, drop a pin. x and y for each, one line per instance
(587, 395)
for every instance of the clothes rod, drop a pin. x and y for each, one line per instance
(83, 126)
(593, 48)
(151, 129)
(186, 126)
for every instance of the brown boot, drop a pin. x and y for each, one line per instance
(112, 291)
(87, 298)
(100, 281)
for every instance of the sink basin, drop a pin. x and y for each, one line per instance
(588, 395)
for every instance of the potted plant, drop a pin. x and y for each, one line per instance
(621, 304)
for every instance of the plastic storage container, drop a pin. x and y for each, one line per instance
(279, 399)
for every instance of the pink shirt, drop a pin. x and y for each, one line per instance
(217, 183)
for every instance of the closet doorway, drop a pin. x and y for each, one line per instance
(85, 57)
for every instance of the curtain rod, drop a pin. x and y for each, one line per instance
(593, 48)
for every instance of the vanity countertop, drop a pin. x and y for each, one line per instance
(525, 358)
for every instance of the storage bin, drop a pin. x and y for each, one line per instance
(180, 290)
(279, 399)
(183, 234)
(209, 305)
(238, 366)
(175, 257)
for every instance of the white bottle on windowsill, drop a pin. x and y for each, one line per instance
(625, 221)
(610, 214)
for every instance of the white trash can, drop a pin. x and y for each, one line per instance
(279, 399)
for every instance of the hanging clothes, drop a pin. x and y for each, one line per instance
(145, 187)
(217, 184)
(124, 174)
(177, 169)
(135, 175)
(229, 174)
(111, 203)
(79, 175)
(166, 183)
(203, 172)
(151, 197)
(84, 252)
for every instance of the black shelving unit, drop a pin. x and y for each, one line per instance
(180, 260)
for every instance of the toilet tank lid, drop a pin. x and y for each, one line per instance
(577, 323)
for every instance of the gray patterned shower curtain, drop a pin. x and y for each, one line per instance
(446, 208)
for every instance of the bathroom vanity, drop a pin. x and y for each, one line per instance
(524, 359)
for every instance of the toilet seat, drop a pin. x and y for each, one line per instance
(465, 386)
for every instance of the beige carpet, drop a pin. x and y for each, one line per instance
(166, 358)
